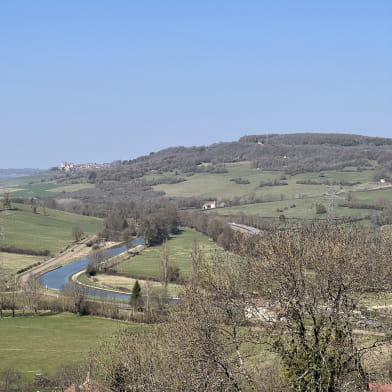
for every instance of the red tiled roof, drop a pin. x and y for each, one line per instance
(374, 387)
(72, 388)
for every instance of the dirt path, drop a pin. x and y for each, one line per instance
(245, 229)
(366, 332)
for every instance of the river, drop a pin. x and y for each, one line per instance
(56, 278)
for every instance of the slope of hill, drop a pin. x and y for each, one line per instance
(292, 153)
(49, 229)
(304, 169)
(43, 344)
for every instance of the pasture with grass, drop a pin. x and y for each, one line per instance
(180, 247)
(125, 283)
(46, 189)
(40, 185)
(46, 230)
(11, 263)
(300, 209)
(222, 185)
(273, 199)
(41, 344)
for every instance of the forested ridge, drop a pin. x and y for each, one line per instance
(292, 153)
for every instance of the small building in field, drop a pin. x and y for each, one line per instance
(208, 206)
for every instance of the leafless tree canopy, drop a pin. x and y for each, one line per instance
(292, 294)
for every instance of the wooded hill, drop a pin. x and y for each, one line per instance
(291, 153)
(290, 176)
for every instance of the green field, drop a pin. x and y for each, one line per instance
(206, 185)
(71, 188)
(333, 175)
(41, 344)
(119, 283)
(38, 185)
(11, 262)
(278, 200)
(219, 185)
(374, 196)
(46, 189)
(180, 247)
(53, 231)
(304, 209)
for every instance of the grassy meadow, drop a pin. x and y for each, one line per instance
(280, 199)
(45, 189)
(52, 230)
(292, 209)
(38, 185)
(10, 263)
(124, 283)
(41, 344)
(180, 247)
(375, 196)
(219, 186)
(146, 263)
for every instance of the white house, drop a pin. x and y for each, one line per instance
(208, 206)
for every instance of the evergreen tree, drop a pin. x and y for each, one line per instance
(136, 298)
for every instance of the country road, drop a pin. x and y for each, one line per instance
(244, 229)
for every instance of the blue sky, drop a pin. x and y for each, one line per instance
(104, 80)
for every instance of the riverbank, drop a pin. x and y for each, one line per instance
(124, 284)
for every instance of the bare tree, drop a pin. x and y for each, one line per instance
(164, 265)
(77, 233)
(96, 262)
(315, 277)
(205, 345)
(147, 292)
(6, 201)
(71, 374)
(12, 289)
(304, 286)
(34, 205)
(11, 381)
(32, 290)
(197, 262)
(76, 296)
(3, 287)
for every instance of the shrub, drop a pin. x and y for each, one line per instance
(320, 208)
(173, 272)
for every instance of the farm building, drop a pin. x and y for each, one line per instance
(208, 206)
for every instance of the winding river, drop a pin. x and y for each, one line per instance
(56, 278)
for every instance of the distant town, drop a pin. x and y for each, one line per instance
(73, 167)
